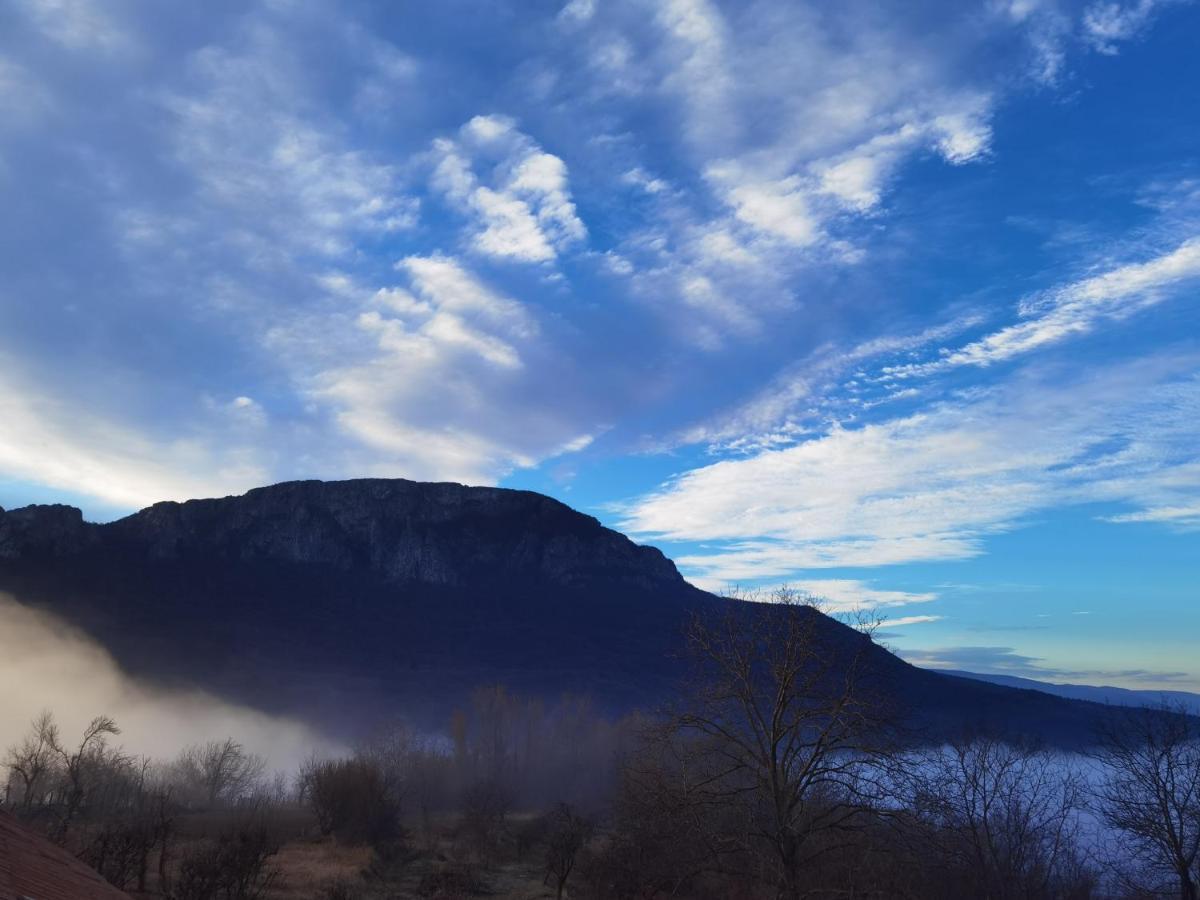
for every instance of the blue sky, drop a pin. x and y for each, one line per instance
(893, 302)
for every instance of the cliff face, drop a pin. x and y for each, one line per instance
(402, 531)
(44, 531)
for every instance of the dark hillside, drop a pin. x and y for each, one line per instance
(346, 602)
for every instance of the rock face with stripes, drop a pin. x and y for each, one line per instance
(32, 868)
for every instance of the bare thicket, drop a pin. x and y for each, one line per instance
(1150, 793)
(486, 805)
(776, 777)
(236, 866)
(356, 800)
(111, 808)
(218, 773)
(33, 762)
(987, 818)
(773, 760)
(566, 834)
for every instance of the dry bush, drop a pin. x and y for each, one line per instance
(484, 824)
(354, 801)
(234, 867)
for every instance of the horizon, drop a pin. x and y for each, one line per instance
(892, 304)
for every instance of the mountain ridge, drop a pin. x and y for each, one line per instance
(351, 523)
(347, 602)
(1096, 693)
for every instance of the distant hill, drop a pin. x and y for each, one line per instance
(345, 602)
(1115, 696)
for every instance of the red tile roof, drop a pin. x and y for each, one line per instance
(32, 868)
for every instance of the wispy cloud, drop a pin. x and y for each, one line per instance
(933, 484)
(910, 620)
(990, 660)
(833, 594)
(1107, 24)
(1073, 310)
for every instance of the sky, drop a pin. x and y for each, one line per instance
(895, 303)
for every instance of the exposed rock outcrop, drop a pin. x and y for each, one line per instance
(404, 531)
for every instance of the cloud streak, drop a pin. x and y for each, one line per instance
(1073, 311)
(934, 484)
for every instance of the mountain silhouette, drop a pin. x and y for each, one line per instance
(353, 601)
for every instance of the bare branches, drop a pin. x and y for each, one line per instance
(32, 761)
(781, 728)
(999, 819)
(1151, 792)
(219, 772)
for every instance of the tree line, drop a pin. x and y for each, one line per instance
(782, 773)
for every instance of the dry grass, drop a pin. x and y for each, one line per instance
(307, 867)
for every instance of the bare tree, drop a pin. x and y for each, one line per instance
(785, 725)
(567, 833)
(33, 760)
(485, 807)
(996, 819)
(82, 766)
(219, 772)
(1151, 791)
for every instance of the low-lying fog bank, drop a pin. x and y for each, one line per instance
(46, 664)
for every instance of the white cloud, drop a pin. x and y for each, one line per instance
(963, 136)
(521, 204)
(280, 178)
(639, 178)
(795, 121)
(1178, 515)
(772, 416)
(834, 595)
(77, 24)
(847, 594)
(23, 99)
(66, 443)
(577, 12)
(933, 485)
(440, 390)
(779, 208)
(1107, 24)
(910, 620)
(697, 68)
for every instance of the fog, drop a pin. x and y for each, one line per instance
(45, 663)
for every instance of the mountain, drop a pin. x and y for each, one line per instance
(344, 602)
(1114, 696)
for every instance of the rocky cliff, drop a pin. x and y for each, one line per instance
(402, 531)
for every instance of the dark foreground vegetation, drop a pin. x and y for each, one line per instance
(779, 775)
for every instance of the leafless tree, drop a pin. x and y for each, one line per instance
(785, 725)
(83, 766)
(996, 819)
(485, 808)
(219, 772)
(566, 834)
(33, 760)
(1150, 760)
